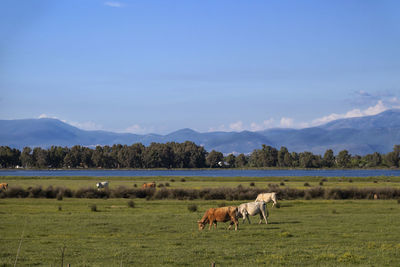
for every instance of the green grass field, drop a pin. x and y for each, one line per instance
(165, 232)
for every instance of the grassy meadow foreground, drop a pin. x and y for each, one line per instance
(110, 232)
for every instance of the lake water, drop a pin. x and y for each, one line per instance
(204, 173)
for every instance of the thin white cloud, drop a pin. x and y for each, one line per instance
(220, 128)
(236, 126)
(363, 93)
(136, 129)
(46, 116)
(373, 110)
(264, 125)
(395, 102)
(114, 4)
(378, 108)
(87, 125)
(286, 122)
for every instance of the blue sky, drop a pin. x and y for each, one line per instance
(160, 66)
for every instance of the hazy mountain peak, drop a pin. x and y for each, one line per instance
(388, 118)
(362, 135)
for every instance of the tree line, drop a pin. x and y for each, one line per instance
(185, 155)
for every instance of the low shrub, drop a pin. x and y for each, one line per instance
(307, 195)
(59, 196)
(273, 187)
(306, 184)
(238, 193)
(15, 192)
(252, 184)
(92, 193)
(131, 204)
(222, 204)
(183, 180)
(285, 234)
(282, 184)
(93, 207)
(167, 184)
(192, 207)
(122, 192)
(162, 194)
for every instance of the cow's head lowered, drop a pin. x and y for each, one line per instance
(201, 225)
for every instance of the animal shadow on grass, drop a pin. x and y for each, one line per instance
(289, 222)
(285, 205)
(251, 229)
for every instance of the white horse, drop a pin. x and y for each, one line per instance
(252, 209)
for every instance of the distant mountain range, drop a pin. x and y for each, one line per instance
(361, 135)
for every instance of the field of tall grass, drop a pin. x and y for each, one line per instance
(113, 232)
(117, 231)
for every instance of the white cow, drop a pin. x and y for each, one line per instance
(102, 185)
(252, 209)
(267, 197)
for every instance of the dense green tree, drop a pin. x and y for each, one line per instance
(97, 157)
(265, 157)
(135, 155)
(188, 155)
(40, 157)
(392, 159)
(343, 159)
(230, 159)
(241, 161)
(306, 160)
(213, 158)
(373, 160)
(357, 161)
(9, 157)
(158, 156)
(328, 159)
(56, 155)
(109, 158)
(294, 159)
(284, 159)
(309, 160)
(184, 155)
(27, 158)
(86, 158)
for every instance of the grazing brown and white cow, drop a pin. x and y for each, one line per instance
(252, 209)
(102, 185)
(223, 214)
(149, 185)
(4, 186)
(267, 197)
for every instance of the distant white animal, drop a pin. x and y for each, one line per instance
(102, 185)
(267, 197)
(252, 209)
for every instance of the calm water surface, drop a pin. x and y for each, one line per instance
(205, 173)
